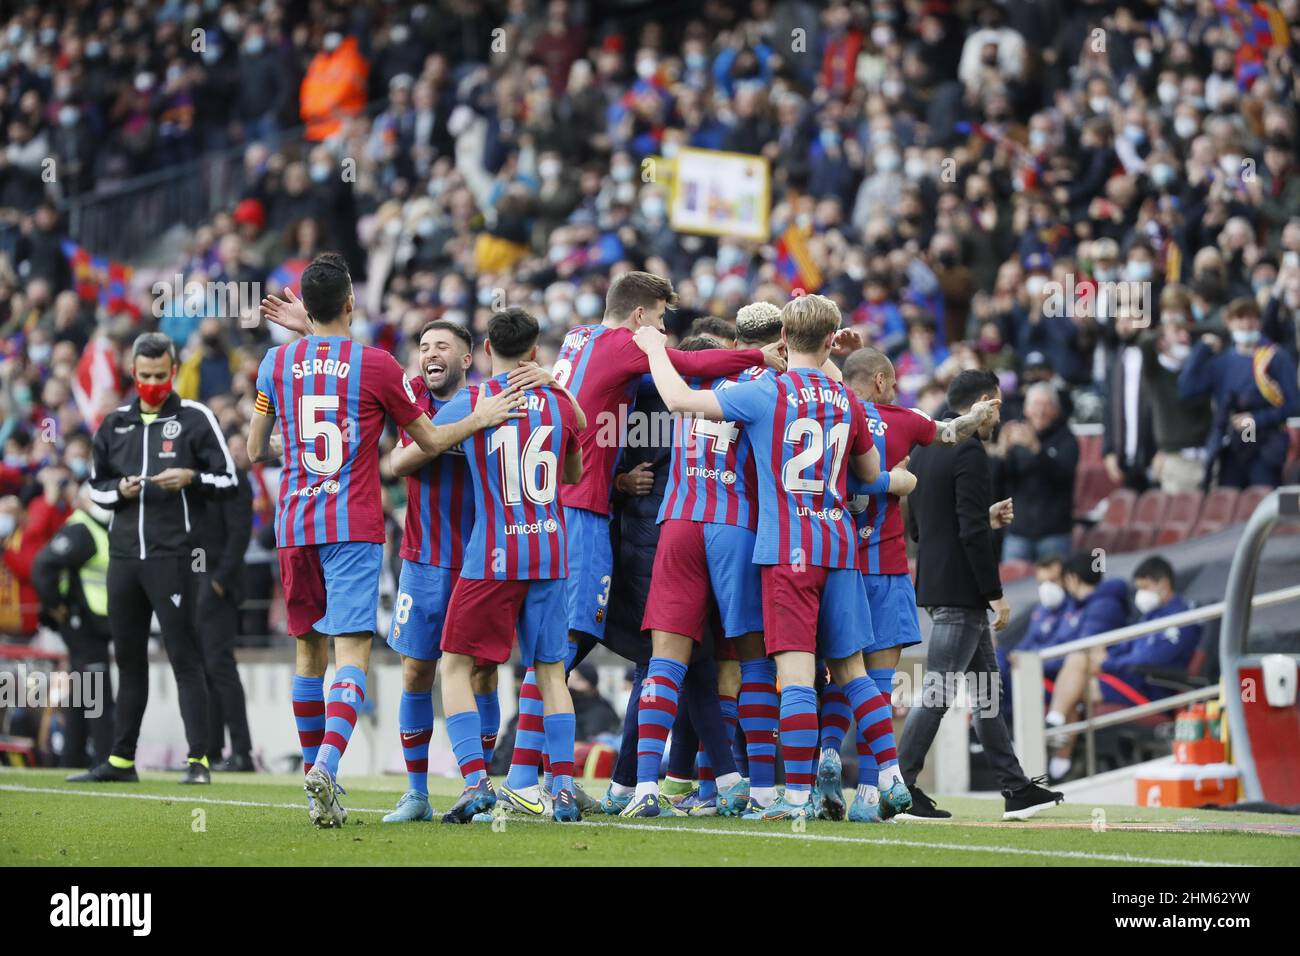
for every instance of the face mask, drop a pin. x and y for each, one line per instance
(696, 61)
(829, 139)
(1179, 351)
(1146, 600)
(706, 283)
(153, 393)
(80, 468)
(1135, 134)
(653, 208)
(94, 50)
(18, 462)
(39, 354)
(646, 68)
(6, 525)
(1139, 271)
(1034, 285)
(915, 168)
(1099, 104)
(1050, 595)
(68, 116)
(332, 41)
(549, 169)
(621, 174)
(1103, 274)
(1245, 337)
(1162, 174)
(1186, 127)
(887, 162)
(558, 311)
(1038, 139)
(254, 45)
(588, 305)
(399, 33)
(1143, 58)
(319, 172)
(1168, 93)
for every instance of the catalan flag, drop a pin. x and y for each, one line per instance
(1260, 27)
(98, 278)
(794, 263)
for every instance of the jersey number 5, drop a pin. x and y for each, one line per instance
(818, 441)
(531, 474)
(309, 429)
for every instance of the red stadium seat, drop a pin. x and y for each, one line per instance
(1089, 449)
(1216, 512)
(1091, 485)
(1120, 504)
(1101, 537)
(1184, 508)
(1247, 501)
(1148, 515)
(1172, 533)
(1076, 537)
(1014, 570)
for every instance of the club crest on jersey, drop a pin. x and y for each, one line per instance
(551, 525)
(829, 514)
(728, 477)
(171, 429)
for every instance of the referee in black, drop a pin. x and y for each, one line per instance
(157, 462)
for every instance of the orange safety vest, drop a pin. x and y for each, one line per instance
(334, 88)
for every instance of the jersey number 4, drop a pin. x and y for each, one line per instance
(816, 440)
(528, 474)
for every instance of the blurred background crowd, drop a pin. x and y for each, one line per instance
(944, 162)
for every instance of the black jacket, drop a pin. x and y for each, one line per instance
(1115, 433)
(1042, 484)
(227, 525)
(948, 513)
(159, 523)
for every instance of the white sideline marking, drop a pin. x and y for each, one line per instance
(770, 834)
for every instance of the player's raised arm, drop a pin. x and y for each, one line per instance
(288, 313)
(677, 395)
(491, 410)
(957, 430)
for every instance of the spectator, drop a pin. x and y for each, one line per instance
(1121, 674)
(1179, 427)
(1036, 461)
(1255, 390)
(334, 88)
(1128, 444)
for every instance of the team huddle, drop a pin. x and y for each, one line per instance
(784, 481)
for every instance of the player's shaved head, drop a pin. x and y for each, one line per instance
(862, 367)
(809, 320)
(758, 323)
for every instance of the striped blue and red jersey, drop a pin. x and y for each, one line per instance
(602, 367)
(439, 503)
(711, 475)
(803, 426)
(331, 395)
(515, 470)
(895, 430)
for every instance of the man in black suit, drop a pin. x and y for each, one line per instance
(952, 514)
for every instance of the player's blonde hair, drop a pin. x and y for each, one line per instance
(758, 322)
(808, 319)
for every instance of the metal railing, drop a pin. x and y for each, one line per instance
(1028, 707)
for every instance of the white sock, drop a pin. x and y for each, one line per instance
(1059, 766)
(647, 789)
(796, 797)
(620, 790)
(890, 776)
(868, 793)
(727, 781)
(762, 796)
(1055, 718)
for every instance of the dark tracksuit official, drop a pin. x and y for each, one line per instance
(70, 576)
(226, 528)
(158, 463)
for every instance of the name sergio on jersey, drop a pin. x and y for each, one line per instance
(318, 366)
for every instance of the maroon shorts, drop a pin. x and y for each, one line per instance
(679, 583)
(486, 616)
(303, 581)
(816, 610)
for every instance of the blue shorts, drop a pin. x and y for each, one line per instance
(893, 611)
(591, 569)
(737, 583)
(332, 588)
(423, 593)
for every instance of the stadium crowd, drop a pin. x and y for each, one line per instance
(948, 165)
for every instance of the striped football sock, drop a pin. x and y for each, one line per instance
(836, 718)
(655, 716)
(530, 736)
(489, 718)
(467, 745)
(798, 740)
(560, 729)
(708, 782)
(875, 716)
(347, 694)
(759, 718)
(309, 715)
(415, 722)
(731, 717)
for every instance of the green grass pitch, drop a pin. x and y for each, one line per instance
(262, 820)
